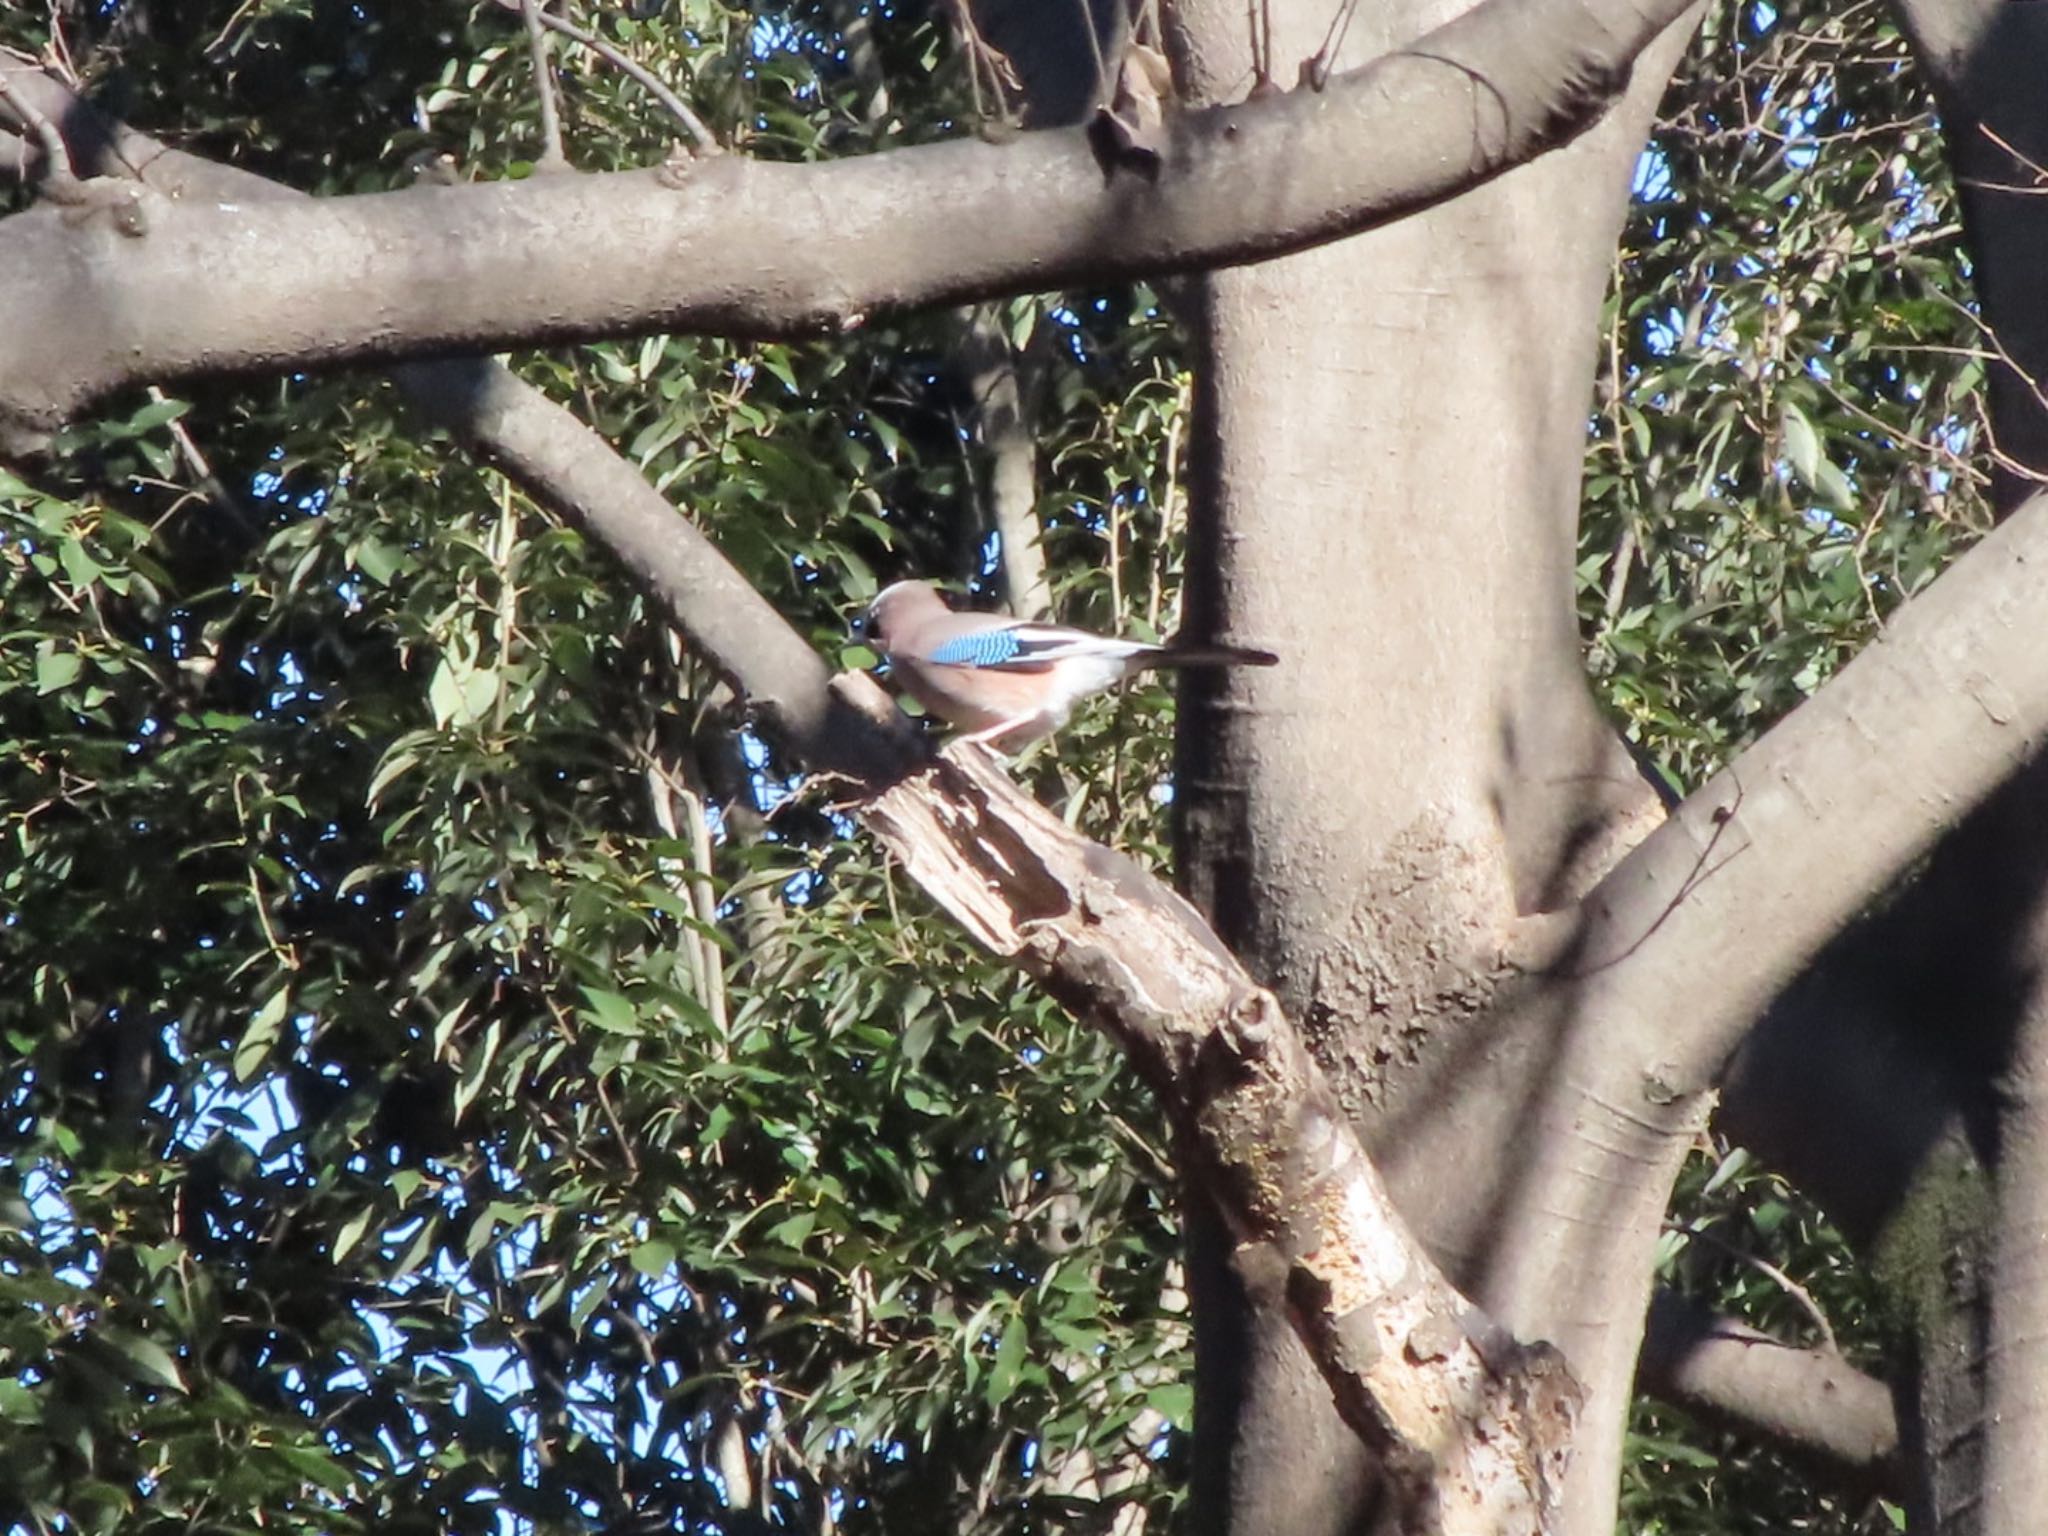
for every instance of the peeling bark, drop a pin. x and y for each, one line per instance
(1477, 1427)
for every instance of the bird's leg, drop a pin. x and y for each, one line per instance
(988, 735)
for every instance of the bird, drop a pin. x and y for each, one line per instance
(1009, 681)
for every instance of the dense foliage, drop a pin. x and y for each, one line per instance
(416, 1121)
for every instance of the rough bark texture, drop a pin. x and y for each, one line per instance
(1475, 1429)
(1987, 1462)
(2016, 1484)
(1385, 480)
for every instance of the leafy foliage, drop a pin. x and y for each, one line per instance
(414, 1123)
(1782, 452)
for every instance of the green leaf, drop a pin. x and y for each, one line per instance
(351, 1233)
(1009, 1363)
(919, 1034)
(1802, 444)
(476, 1067)
(315, 1468)
(18, 1405)
(265, 1028)
(56, 669)
(1174, 1401)
(653, 1258)
(156, 414)
(376, 559)
(149, 1359)
(80, 566)
(610, 1011)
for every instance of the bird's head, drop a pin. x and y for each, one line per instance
(897, 608)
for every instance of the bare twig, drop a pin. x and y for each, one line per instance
(2040, 183)
(59, 182)
(1315, 70)
(210, 486)
(1775, 1275)
(701, 137)
(551, 156)
(216, 48)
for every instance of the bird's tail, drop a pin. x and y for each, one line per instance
(1178, 655)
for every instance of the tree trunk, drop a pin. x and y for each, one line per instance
(1981, 1370)
(1386, 451)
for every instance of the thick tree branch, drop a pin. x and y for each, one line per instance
(564, 466)
(1426, 1378)
(743, 247)
(1473, 1426)
(1808, 1402)
(1686, 942)
(1774, 854)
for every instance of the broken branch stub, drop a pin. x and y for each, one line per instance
(1474, 1426)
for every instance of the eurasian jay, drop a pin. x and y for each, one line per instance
(1009, 681)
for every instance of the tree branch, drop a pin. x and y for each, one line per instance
(1465, 1418)
(565, 467)
(1754, 872)
(1687, 941)
(701, 137)
(552, 157)
(732, 246)
(1811, 1403)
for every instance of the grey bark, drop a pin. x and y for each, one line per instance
(1983, 1385)
(1811, 1403)
(1006, 500)
(1384, 471)
(730, 245)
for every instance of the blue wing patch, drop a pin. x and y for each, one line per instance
(989, 648)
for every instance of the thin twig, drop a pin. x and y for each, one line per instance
(700, 136)
(211, 487)
(1105, 87)
(57, 53)
(1316, 71)
(214, 48)
(551, 156)
(1777, 1276)
(2040, 186)
(57, 176)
